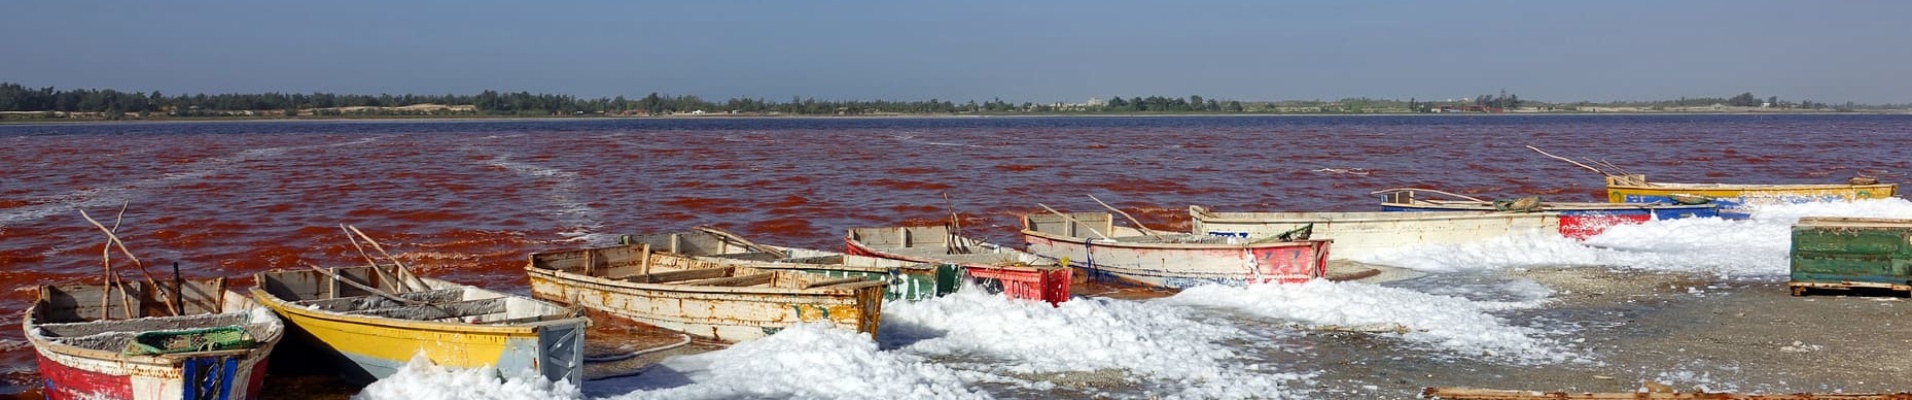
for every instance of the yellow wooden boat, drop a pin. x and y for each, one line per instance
(1736, 200)
(370, 335)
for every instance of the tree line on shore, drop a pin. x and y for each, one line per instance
(113, 104)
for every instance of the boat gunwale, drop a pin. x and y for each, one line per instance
(529, 328)
(1204, 215)
(1545, 206)
(1097, 242)
(842, 289)
(43, 343)
(1611, 184)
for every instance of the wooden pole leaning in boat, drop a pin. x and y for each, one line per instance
(1138, 224)
(1073, 220)
(1571, 161)
(402, 270)
(113, 279)
(726, 235)
(115, 240)
(1456, 195)
(954, 244)
(402, 285)
(376, 291)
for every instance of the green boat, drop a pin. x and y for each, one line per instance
(709, 247)
(1848, 253)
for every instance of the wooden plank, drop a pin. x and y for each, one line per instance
(740, 280)
(833, 282)
(673, 276)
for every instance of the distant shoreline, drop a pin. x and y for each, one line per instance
(472, 118)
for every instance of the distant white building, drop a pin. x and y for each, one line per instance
(1095, 102)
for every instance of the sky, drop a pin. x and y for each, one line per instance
(1035, 51)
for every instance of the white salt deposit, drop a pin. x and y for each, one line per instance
(1162, 347)
(805, 362)
(1451, 323)
(420, 380)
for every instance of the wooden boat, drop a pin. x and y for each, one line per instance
(1015, 273)
(1737, 200)
(1847, 253)
(372, 321)
(1364, 234)
(1578, 220)
(132, 342)
(1092, 243)
(907, 280)
(702, 298)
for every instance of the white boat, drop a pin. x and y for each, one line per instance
(1363, 234)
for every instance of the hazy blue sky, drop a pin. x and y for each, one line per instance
(1040, 51)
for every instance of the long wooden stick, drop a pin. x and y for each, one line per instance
(780, 254)
(381, 250)
(115, 240)
(1138, 224)
(1571, 161)
(348, 281)
(114, 280)
(403, 286)
(1073, 220)
(1468, 198)
(955, 243)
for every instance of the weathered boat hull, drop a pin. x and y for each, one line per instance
(1169, 265)
(215, 377)
(1579, 220)
(69, 371)
(907, 280)
(1846, 253)
(1367, 234)
(991, 266)
(728, 314)
(1737, 200)
(366, 348)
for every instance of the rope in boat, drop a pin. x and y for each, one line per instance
(635, 354)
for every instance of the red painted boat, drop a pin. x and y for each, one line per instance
(1091, 242)
(1015, 273)
(132, 342)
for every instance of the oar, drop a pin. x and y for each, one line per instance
(1468, 198)
(956, 244)
(407, 272)
(381, 293)
(1072, 219)
(1544, 153)
(780, 254)
(1138, 224)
